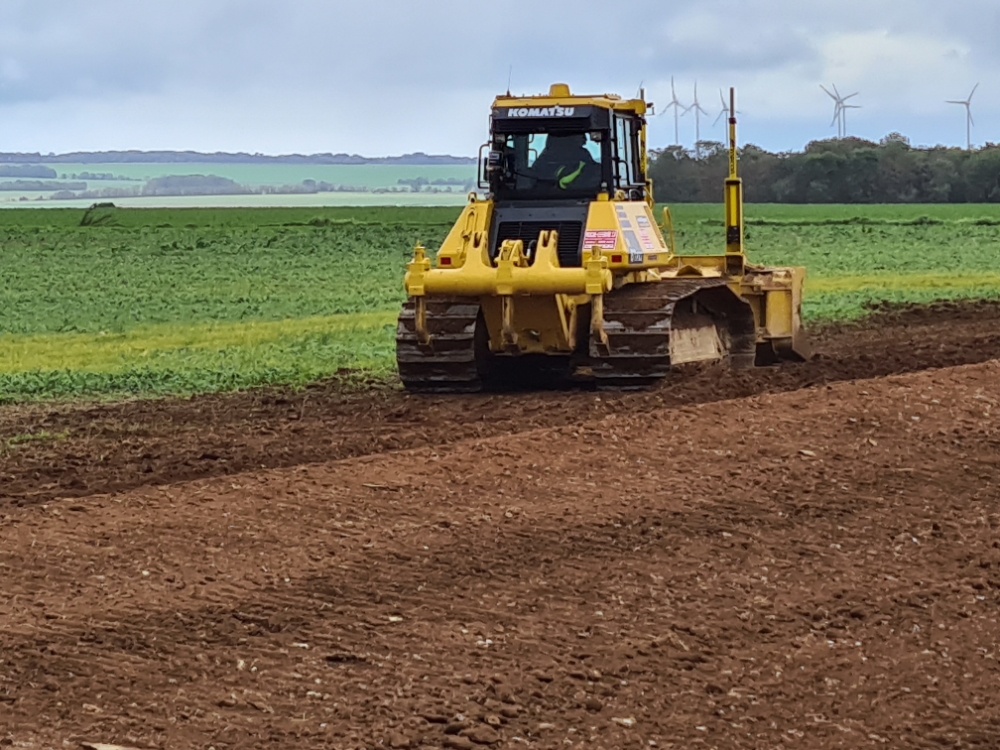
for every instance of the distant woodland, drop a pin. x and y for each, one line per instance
(850, 170)
(27, 171)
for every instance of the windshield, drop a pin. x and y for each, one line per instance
(551, 165)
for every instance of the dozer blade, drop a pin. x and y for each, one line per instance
(655, 326)
(783, 350)
(448, 363)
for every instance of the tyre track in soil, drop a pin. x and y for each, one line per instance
(818, 568)
(115, 447)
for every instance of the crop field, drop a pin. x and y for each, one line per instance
(182, 301)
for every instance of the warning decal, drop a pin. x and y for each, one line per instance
(606, 239)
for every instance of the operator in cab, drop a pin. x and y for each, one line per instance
(566, 163)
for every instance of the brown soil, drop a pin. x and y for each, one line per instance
(114, 447)
(814, 568)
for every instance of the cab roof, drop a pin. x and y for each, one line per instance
(560, 96)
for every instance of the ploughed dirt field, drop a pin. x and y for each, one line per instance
(113, 447)
(803, 557)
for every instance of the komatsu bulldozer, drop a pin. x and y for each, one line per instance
(563, 273)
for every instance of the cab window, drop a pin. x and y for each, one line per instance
(626, 162)
(536, 144)
(558, 164)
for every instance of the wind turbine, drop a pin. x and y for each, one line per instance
(969, 122)
(843, 113)
(725, 109)
(840, 108)
(676, 104)
(836, 108)
(698, 112)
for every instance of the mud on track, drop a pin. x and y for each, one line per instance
(815, 569)
(114, 447)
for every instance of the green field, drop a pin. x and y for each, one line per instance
(179, 301)
(362, 184)
(359, 175)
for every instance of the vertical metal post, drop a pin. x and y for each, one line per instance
(733, 166)
(735, 257)
(597, 332)
(508, 333)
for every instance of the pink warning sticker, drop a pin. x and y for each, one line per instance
(606, 239)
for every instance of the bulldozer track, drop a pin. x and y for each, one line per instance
(448, 363)
(639, 320)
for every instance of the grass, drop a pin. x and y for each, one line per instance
(857, 256)
(113, 279)
(188, 300)
(209, 218)
(103, 352)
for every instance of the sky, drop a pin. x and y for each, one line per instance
(387, 77)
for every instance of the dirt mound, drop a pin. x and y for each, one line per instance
(895, 313)
(114, 447)
(817, 568)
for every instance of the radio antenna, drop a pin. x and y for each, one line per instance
(510, 77)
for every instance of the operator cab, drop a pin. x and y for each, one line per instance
(550, 157)
(563, 153)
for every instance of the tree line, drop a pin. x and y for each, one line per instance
(849, 170)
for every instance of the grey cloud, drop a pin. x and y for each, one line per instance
(63, 45)
(54, 49)
(323, 57)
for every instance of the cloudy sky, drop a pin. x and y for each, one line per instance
(381, 77)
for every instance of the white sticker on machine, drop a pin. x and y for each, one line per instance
(606, 239)
(634, 249)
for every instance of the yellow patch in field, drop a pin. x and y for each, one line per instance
(108, 352)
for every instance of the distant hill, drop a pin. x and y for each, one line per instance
(189, 157)
(33, 170)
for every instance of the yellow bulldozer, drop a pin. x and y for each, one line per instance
(563, 273)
